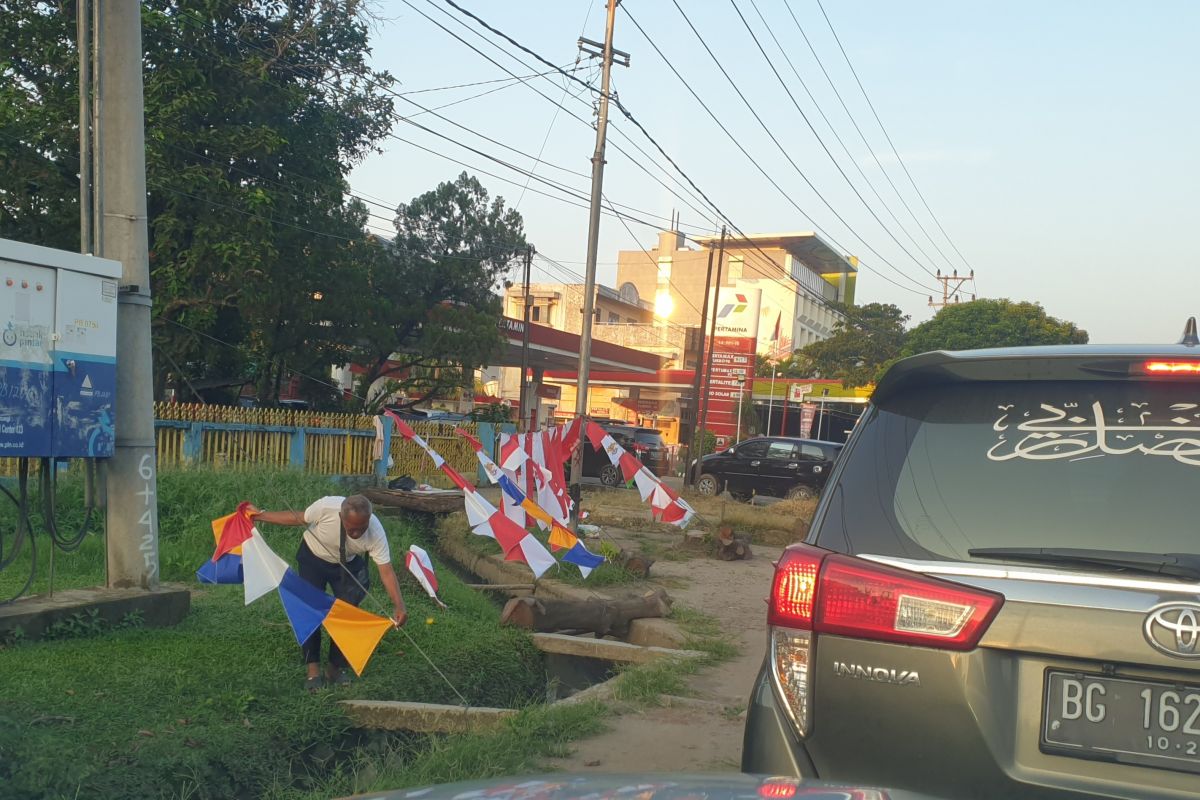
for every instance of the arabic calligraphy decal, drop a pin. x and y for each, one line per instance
(1065, 431)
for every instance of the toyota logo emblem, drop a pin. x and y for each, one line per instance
(1174, 629)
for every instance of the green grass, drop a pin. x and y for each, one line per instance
(213, 708)
(645, 684)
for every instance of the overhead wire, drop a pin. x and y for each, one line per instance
(887, 136)
(779, 145)
(818, 137)
(692, 189)
(922, 291)
(861, 135)
(832, 129)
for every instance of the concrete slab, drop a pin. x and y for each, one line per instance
(393, 715)
(167, 605)
(606, 649)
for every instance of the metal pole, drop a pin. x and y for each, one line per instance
(132, 520)
(589, 281)
(771, 401)
(741, 393)
(83, 40)
(712, 333)
(521, 416)
(97, 84)
(689, 476)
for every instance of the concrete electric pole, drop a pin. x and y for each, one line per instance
(120, 205)
(589, 280)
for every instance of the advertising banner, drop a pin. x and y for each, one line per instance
(733, 350)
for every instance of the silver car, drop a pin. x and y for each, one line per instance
(1000, 593)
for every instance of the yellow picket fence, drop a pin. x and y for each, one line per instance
(318, 442)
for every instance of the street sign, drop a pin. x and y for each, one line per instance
(797, 391)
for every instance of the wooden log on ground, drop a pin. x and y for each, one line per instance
(439, 502)
(601, 616)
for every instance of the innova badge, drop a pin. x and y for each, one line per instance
(1174, 629)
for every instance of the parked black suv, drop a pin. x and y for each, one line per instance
(781, 466)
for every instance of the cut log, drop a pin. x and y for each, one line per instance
(602, 617)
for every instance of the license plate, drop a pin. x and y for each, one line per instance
(1148, 723)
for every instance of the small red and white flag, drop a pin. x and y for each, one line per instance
(421, 567)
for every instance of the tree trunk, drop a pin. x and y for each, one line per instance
(601, 617)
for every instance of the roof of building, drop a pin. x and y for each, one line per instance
(804, 245)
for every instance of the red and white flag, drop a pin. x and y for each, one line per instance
(421, 567)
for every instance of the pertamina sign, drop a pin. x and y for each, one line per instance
(733, 349)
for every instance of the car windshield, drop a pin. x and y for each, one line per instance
(947, 469)
(652, 438)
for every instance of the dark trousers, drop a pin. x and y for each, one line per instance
(320, 573)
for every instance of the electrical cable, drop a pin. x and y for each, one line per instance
(854, 122)
(845, 149)
(23, 531)
(885, 133)
(820, 141)
(49, 489)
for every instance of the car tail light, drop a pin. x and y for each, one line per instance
(818, 592)
(865, 600)
(1182, 368)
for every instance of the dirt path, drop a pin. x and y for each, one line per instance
(704, 732)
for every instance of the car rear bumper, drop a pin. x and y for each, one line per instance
(769, 744)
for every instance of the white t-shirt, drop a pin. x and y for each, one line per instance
(324, 534)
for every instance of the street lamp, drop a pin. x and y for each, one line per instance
(741, 392)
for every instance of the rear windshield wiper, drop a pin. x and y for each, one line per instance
(1175, 565)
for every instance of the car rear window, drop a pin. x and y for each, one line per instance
(1105, 464)
(651, 438)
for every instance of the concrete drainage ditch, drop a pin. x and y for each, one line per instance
(579, 668)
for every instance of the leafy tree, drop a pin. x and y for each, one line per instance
(991, 323)
(255, 112)
(864, 338)
(429, 314)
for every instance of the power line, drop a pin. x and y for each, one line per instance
(759, 167)
(850, 115)
(474, 83)
(820, 141)
(779, 145)
(887, 136)
(849, 156)
(632, 143)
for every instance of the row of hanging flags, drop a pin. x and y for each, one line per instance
(243, 556)
(533, 487)
(531, 477)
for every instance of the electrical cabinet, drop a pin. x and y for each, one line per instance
(58, 352)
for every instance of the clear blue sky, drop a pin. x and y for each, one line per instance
(1058, 143)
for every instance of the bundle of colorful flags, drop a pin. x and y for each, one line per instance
(561, 537)
(243, 556)
(665, 504)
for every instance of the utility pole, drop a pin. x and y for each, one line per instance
(771, 406)
(83, 44)
(120, 166)
(950, 297)
(689, 477)
(712, 338)
(589, 281)
(527, 302)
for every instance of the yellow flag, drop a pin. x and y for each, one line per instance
(535, 511)
(218, 525)
(356, 632)
(562, 538)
